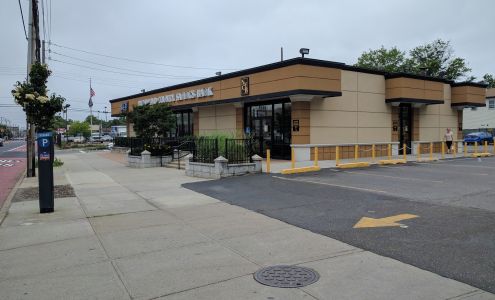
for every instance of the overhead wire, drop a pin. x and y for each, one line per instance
(141, 61)
(43, 17)
(23, 23)
(124, 69)
(115, 72)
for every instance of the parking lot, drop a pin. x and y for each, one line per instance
(438, 216)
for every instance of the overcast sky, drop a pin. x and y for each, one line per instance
(223, 36)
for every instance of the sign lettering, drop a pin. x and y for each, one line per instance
(192, 94)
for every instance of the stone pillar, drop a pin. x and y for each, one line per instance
(145, 159)
(189, 158)
(220, 167)
(258, 162)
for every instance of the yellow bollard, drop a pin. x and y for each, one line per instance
(465, 149)
(485, 147)
(373, 155)
(356, 152)
(404, 152)
(337, 158)
(268, 162)
(431, 151)
(389, 151)
(292, 159)
(476, 148)
(316, 156)
(418, 150)
(443, 150)
(454, 148)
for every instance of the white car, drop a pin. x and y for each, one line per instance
(106, 138)
(79, 139)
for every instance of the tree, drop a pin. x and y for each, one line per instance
(32, 96)
(80, 128)
(389, 60)
(432, 59)
(106, 124)
(490, 80)
(152, 120)
(58, 122)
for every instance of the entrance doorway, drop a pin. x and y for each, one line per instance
(405, 126)
(269, 124)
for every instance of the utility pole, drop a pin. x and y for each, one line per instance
(31, 58)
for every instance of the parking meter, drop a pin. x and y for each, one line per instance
(45, 171)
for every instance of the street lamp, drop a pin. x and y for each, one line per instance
(304, 51)
(66, 123)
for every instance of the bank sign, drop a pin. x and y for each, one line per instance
(192, 94)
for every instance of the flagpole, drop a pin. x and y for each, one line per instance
(91, 108)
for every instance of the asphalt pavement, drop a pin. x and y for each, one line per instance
(439, 216)
(12, 164)
(13, 149)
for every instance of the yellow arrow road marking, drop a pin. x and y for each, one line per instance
(366, 222)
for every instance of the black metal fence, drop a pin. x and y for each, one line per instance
(203, 149)
(239, 151)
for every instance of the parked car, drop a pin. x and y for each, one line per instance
(95, 139)
(479, 137)
(1, 142)
(106, 138)
(78, 139)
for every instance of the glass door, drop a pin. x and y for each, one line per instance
(405, 126)
(269, 125)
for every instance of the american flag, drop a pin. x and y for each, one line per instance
(91, 94)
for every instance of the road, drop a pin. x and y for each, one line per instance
(444, 211)
(12, 165)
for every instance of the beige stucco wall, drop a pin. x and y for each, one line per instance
(360, 115)
(217, 119)
(435, 119)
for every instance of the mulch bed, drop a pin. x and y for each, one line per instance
(29, 194)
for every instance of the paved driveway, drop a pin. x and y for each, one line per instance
(438, 216)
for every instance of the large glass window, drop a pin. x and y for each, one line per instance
(491, 104)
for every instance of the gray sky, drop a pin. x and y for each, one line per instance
(223, 35)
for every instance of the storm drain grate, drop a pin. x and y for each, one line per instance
(286, 276)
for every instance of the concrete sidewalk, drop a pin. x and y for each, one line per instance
(137, 234)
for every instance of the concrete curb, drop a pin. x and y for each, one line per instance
(4, 210)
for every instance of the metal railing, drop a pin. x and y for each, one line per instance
(239, 151)
(205, 150)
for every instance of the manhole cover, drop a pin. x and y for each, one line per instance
(286, 276)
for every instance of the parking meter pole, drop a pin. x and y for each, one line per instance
(45, 171)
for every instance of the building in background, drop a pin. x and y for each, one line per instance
(306, 102)
(481, 118)
(118, 131)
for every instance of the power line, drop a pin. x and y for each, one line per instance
(23, 23)
(109, 71)
(96, 81)
(124, 69)
(141, 61)
(43, 14)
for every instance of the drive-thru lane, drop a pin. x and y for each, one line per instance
(12, 164)
(439, 216)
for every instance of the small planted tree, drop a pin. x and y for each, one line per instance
(155, 120)
(150, 121)
(33, 96)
